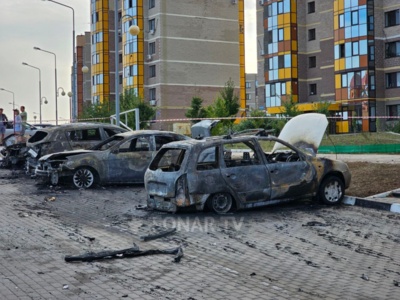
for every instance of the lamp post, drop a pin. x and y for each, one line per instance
(13, 103)
(133, 30)
(40, 89)
(55, 76)
(74, 75)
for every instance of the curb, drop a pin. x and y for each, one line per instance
(371, 203)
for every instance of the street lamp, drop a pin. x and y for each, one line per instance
(133, 30)
(40, 88)
(55, 76)
(13, 103)
(74, 75)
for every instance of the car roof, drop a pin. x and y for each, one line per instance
(147, 132)
(78, 126)
(209, 141)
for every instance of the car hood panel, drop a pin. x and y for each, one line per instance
(304, 131)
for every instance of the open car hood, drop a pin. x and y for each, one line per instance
(304, 131)
(62, 155)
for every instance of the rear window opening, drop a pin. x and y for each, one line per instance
(37, 136)
(168, 160)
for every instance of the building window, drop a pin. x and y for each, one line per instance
(95, 17)
(354, 17)
(313, 89)
(152, 25)
(120, 58)
(152, 94)
(393, 111)
(152, 48)
(311, 34)
(342, 51)
(392, 80)
(392, 49)
(152, 71)
(120, 79)
(341, 20)
(311, 7)
(344, 80)
(152, 3)
(392, 18)
(312, 61)
(248, 85)
(280, 34)
(248, 96)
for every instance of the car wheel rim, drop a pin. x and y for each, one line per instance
(333, 191)
(221, 203)
(83, 178)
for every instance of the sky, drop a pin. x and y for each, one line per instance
(25, 24)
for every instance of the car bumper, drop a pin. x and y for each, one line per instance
(159, 203)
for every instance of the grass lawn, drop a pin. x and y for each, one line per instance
(362, 138)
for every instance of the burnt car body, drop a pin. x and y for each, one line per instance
(13, 152)
(67, 137)
(225, 173)
(123, 158)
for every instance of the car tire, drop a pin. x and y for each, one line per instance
(84, 178)
(331, 190)
(220, 203)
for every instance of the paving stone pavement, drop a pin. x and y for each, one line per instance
(295, 251)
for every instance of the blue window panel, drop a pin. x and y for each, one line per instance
(267, 90)
(355, 61)
(362, 30)
(347, 3)
(275, 74)
(363, 47)
(268, 101)
(362, 16)
(278, 89)
(274, 9)
(347, 48)
(286, 6)
(275, 47)
(354, 31)
(287, 61)
(354, 3)
(336, 48)
(347, 19)
(348, 62)
(347, 32)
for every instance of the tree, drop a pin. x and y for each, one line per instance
(129, 100)
(226, 105)
(196, 110)
(290, 108)
(98, 112)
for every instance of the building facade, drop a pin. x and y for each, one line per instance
(342, 52)
(185, 48)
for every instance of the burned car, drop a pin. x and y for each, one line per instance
(13, 153)
(122, 158)
(67, 137)
(224, 173)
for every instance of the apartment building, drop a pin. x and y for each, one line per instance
(185, 48)
(342, 52)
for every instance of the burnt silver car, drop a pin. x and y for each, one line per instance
(122, 158)
(67, 137)
(225, 173)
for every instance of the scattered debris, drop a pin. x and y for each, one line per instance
(65, 287)
(89, 238)
(140, 206)
(396, 283)
(150, 237)
(365, 277)
(315, 223)
(124, 253)
(50, 198)
(253, 274)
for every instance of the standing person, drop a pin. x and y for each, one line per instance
(3, 124)
(18, 125)
(24, 118)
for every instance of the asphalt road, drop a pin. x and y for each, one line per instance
(295, 251)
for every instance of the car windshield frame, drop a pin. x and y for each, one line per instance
(112, 141)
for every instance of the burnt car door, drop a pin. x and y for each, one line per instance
(244, 171)
(128, 162)
(292, 175)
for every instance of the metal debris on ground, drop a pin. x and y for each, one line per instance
(150, 237)
(124, 253)
(50, 198)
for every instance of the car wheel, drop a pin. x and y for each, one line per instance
(220, 203)
(331, 190)
(83, 178)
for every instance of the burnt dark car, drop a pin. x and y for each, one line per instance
(236, 172)
(123, 158)
(67, 137)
